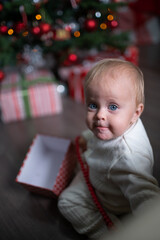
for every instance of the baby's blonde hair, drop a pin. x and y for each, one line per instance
(112, 64)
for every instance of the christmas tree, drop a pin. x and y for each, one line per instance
(61, 28)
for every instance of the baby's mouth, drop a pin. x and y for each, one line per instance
(101, 127)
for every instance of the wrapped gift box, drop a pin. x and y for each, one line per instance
(35, 96)
(75, 75)
(141, 19)
(48, 166)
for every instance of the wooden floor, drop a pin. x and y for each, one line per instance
(26, 216)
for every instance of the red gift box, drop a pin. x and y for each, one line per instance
(48, 166)
(141, 20)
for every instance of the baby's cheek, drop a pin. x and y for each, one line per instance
(120, 128)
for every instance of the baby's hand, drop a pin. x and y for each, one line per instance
(82, 144)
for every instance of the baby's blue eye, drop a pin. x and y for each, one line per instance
(113, 107)
(92, 106)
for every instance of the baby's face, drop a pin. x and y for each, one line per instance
(111, 106)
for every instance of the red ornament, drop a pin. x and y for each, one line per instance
(1, 7)
(91, 24)
(45, 27)
(2, 75)
(36, 30)
(3, 29)
(114, 23)
(72, 57)
(19, 27)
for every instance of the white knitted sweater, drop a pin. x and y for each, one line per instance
(121, 169)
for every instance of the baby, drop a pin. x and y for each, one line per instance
(116, 149)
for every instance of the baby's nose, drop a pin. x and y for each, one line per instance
(101, 115)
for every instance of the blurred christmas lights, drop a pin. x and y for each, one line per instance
(10, 31)
(38, 17)
(72, 57)
(114, 23)
(103, 26)
(110, 17)
(98, 14)
(77, 34)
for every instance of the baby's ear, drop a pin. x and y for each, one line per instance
(138, 112)
(139, 109)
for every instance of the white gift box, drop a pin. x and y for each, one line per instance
(48, 166)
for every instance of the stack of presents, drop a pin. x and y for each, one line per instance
(32, 95)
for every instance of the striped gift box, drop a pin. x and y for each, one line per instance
(75, 83)
(36, 100)
(48, 166)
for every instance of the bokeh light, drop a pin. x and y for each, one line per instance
(103, 26)
(77, 34)
(110, 17)
(10, 31)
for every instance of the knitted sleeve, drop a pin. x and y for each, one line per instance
(137, 185)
